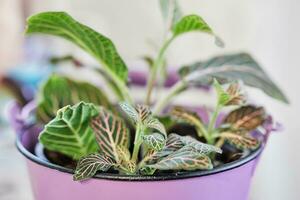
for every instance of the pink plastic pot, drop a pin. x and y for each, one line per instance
(52, 182)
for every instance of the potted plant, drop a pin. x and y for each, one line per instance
(147, 150)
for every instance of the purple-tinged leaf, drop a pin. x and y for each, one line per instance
(241, 141)
(110, 131)
(187, 158)
(246, 118)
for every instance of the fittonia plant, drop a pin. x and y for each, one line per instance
(83, 124)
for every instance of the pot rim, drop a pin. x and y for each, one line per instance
(163, 177)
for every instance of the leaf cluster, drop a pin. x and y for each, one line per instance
(81, 122)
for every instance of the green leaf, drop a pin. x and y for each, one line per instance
(223, 96)
(59, 91)
(88, 166)
(69, 132)
(241, 141)
(176, 142)
(173, 144)
(124, 160)
(171, 11)
(198, 146)
(123, 152)
(184, 159)
(186, 116)
(110, 131)
(100, 47)
(230, 68)
(155, 124)
(142, 115)
(132, 113)
(245, 118)
(155, 141)
(192, 23)
(147, 171)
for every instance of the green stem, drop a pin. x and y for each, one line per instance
(206, 135)
(213, 119)
(137, 143)
(156, 67)
(123, 89)
(175, 89)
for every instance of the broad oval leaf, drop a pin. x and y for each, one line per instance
(155, 124)
(199, 147)
(246, 118)
(88, 166)
(130, 111)
(183, 159)
(176, 142)
(229, 68)
(100, 47)
(173, 144)
(59, 91)
(155, 141)
(191, 23)
(110, 131)
(241, 141)
(69, 132)
(186, 116)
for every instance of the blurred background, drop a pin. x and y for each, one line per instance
(268, 29)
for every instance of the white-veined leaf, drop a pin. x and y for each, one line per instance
(154, 123)
(100, 47)
(110, 131)
(147, 171)
(200, 147)
(88, 166)
(142, 115)
(186, 116)
(185, 158)
(241, 141)
(130, 111)
(155, 141)
(123, 152)
(124, 159)
(59, 91)
(69, 132)
(176, 142)
(230, 68)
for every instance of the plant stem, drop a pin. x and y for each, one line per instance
(123, 89)
(156, 67)
(175, 89)
(213, 119)
(137, 143)
(220, 142)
